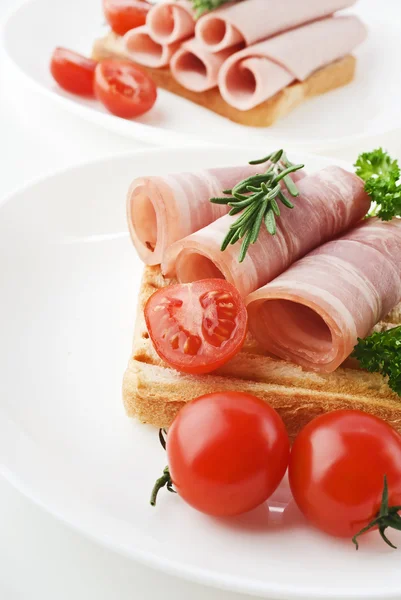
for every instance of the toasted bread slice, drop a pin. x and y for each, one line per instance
(154, 393)
(335, 75)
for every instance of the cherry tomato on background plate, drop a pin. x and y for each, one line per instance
(123, 15)
(124, 89)
(197, 327)
(338, 469)
(73, 72)
(227, 453)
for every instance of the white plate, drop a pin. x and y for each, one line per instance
(367, 107)
(68, 289)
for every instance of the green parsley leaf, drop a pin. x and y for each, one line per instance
(377, 163)
(381, 353)
(381, 174)
(202, 6)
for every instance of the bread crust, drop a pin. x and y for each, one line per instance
(333, 76)
(154, 393)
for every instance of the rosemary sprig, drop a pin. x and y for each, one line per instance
(202, 6)
(256, 199)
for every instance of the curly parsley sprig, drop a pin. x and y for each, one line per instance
(256, 198)
(381, 353)
(381, 175)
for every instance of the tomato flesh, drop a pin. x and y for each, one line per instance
(197, 327)
(73, 72)
(123, 15)
(227, 452)
(124, 89)
(337, 469)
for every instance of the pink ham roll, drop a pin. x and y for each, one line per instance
(142, 49)
(170, 22)
(162, 210)
(258, 72)
(314, 312)
(330, 202)
(197, 69)
(255, 20)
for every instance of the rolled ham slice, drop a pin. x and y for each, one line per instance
(142, 49)
(314, 312)
(162, 210)
(257, 73)
(330, 202)
(255, 20)
(197, 69)
(170, 22)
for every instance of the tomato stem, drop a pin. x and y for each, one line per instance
(162, 438)
(164, 480)
(387, 517)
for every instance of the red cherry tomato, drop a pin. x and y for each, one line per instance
(197, 327)
(123, 15)
(73, 72)
(227, 452)
(337, 468)
(125, 90)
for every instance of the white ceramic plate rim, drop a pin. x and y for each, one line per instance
(157, 136)
(202, 576)
(145, 133)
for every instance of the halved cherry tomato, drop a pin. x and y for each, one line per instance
(337, 468)
(197, 327)
(227, 452)
(123, 15)
(73, 72)
(125, 90)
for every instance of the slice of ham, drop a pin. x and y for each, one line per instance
(255, 20)
(170, 22)
(314, 312)
(197, 69)
(330, 202)
(164, 209)
(142, 49)
(258, 72)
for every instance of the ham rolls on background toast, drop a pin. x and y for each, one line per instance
(254, 20)
(251, 61)
(196, 68)
(140, 47)
(330, 202)
(171, 21)
(253, 75)
(314, 312)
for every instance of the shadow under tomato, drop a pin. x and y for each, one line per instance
(288, 518)
(256, 520)
(271, 516)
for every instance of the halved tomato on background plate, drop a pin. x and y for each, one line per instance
(73, 72)
(125, 90)
(197, 327)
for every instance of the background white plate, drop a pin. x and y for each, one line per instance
(68, 288)
(367, 107)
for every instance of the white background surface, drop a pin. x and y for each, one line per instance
(40, 558)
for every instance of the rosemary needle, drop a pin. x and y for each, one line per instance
(254, 199)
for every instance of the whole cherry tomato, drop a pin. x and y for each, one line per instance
(227, 453)
(342, 466)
